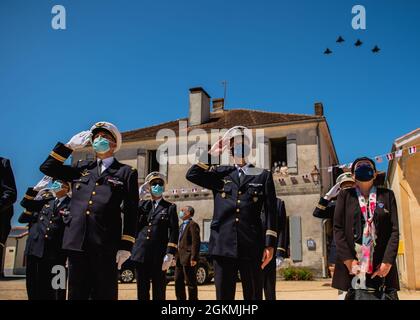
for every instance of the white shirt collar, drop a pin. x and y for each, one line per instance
(60, 200)
(244, 168)
(157, 201)
(106, 163)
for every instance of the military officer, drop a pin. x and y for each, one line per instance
(8, 195)
(325, 210)
(326, 205)
(96, 238)
(238, 239)
(270, 271)
(157, 239)
(44, 212)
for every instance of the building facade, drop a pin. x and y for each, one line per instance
(404, 179)
(297, 142)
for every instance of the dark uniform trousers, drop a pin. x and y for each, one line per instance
(185, 275)
(269, 280)
(43, 245)
(92, 276)
(270, 271)
(39, 279)
(238, 236)
(226, 275)
(8, 194)
(158, 234)
(153, 272)
(102, 220)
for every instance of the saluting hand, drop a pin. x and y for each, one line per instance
(218, 147)
(267, 256)
(42, 183)
(79, 140)
(333, 192)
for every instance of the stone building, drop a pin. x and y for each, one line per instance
(300, 141)
(404, 179)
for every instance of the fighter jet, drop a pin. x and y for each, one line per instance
(376, 49)
(358, 43)
(340, 39)
(327, 51)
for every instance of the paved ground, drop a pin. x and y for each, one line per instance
(286, 290)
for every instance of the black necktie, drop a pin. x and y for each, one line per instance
(241, 175)
(99, 167)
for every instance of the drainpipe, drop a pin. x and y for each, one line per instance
(319, 156)
(324, 235)
(324, 249)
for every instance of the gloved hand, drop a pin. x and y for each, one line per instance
(45, 181)
(122, 256)
(279, 262)
(144, 189)
(41, 192)
(167, 260)
(79, 140)
(334, 191)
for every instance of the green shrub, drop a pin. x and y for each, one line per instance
(297, 274)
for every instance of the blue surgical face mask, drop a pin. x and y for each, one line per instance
(364, 173)
(101, 145)
(240, 151)
(56, 186)
(157, 190)
(181, 214)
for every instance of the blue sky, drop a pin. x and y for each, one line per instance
(132, 62)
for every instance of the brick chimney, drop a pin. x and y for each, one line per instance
(218, 104)
(199, 106)
(319, 109)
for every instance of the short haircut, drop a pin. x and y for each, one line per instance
(190, 210)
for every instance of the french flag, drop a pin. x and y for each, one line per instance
(412, 150)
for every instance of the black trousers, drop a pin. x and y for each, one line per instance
(269, 280)
(185, 275)
(93, 276)
(1, 260)
(150, 272)
(39, 279)
(226, 274)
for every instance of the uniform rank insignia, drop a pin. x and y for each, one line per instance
(85, 173)
(64, 212)
(255, 184)
(115, 182)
